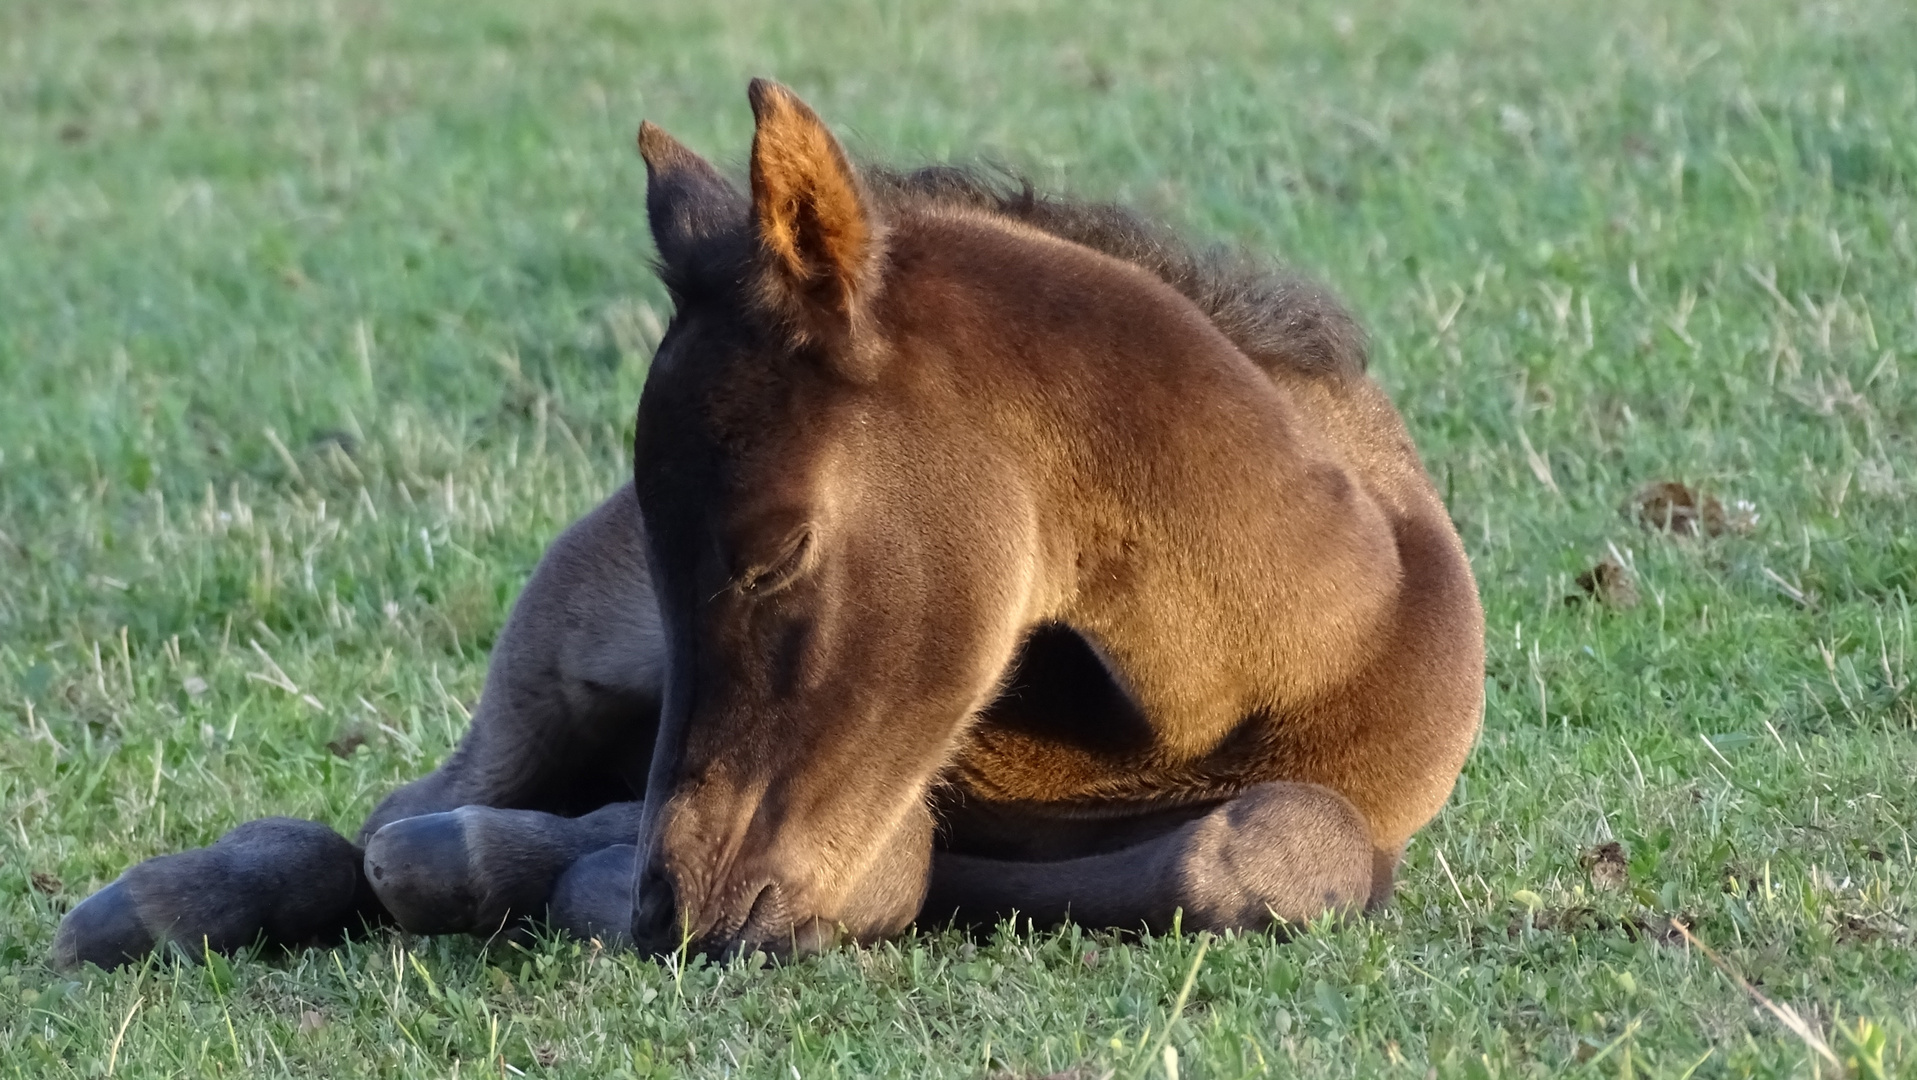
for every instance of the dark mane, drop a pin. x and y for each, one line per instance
(1278, 319)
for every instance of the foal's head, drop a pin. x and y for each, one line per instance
(834, 596)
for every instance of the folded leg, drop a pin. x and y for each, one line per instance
(593, 899)
(570, 709)
(564, 726)
(1277, 852)
(290, 881)
(478, 869)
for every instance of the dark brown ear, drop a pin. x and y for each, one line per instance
(816, 231)
(690, 206)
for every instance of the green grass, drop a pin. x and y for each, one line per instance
(317, 321)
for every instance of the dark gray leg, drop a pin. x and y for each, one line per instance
(1287, 852)
(593, 898)
(293, 882)
(478, 869)
(570, 709)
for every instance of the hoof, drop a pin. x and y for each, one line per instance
(104, 930)
(594, 897)
(421, 869)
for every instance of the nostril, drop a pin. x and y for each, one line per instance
(653, 922)
(766, 919)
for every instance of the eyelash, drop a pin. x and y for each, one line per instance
(781, 572)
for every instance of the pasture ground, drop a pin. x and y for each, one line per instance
(318, 320)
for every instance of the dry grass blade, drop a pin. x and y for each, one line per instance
(1785, 1014)
(1786, 587)
(1540, 468)
(113, 1051)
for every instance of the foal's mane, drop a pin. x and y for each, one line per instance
(1278, 319)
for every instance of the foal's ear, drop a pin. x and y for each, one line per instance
(687, 202)
(816, 230)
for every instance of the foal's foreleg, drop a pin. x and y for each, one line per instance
(289, 881)
(473, 869)
(565, 724)
(478, 869)
(1278, 852)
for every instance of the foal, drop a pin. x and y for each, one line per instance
(986, 554)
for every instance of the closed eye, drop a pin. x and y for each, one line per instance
(782, 570)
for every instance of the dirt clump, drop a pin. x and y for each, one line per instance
(1607, 866)
(1610, 583)
(1676, 508)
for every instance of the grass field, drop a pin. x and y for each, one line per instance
(318, 320)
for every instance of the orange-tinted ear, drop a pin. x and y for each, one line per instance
(815, 228)
(688, 204)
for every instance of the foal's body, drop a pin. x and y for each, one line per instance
(1173, 620)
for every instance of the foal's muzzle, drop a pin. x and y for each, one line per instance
(757, 917)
